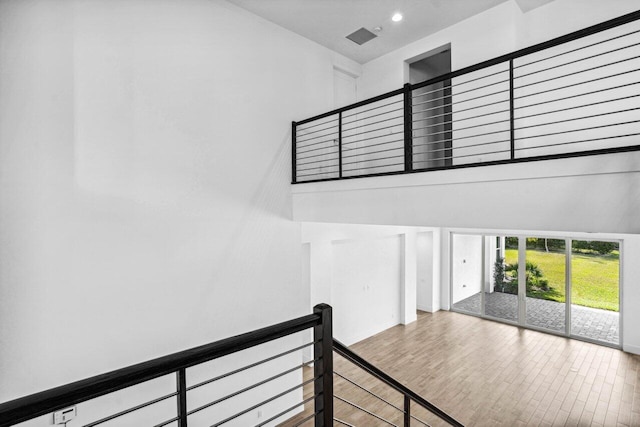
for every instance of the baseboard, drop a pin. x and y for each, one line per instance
(428, 309)
(423, 308)
(635, 349)
(410, 320)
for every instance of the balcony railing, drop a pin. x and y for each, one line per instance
(575, 95)
(262, 388)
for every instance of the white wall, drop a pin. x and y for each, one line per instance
(144, 181)
(409, 277)
(594, 194)
(466, 266)
(472, 41)
(497, 31)
(369, 274)
(425, 271)
(366, 287)
(630, 293)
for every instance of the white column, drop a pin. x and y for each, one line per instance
(424, 275)
(408, 290)
(441, 269)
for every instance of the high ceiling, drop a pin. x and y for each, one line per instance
(328, 22)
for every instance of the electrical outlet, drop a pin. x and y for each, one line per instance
(64, 415)
(259, 413)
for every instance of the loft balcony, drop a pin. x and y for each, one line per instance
(575, 95)
(558, 123)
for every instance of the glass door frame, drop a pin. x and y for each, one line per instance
(522, 247)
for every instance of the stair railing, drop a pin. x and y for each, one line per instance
(180, 365)
(408, 395)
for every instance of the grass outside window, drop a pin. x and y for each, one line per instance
(595, 277)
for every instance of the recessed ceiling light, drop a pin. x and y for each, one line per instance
(377, 29)
(397, 17)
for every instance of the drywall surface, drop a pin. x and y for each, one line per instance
(366, 287)
(497, 31)
(145, 205)
(369, 274)
(425, 271)
(409, 278)
(630, 294)
(590, 194)
(466, 266)
(473, 40)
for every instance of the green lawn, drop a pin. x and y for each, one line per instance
(594, 277)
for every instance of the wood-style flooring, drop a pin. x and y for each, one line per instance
(485, 373)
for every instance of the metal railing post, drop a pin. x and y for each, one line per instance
(407, 411)
(323, 367)
(408, 129)
(181, 379)
(512, 131)
(340, 144)
(293, 153)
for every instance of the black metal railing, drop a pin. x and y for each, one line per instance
(378, 406)
(191, 399)
(575, 95)
(189, 368)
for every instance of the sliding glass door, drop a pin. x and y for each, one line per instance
(595, 290)
(501, 299)
(545, 278)
(565, 286)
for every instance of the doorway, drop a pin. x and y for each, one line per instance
(345, 88)
(564, 286)
(432, 124)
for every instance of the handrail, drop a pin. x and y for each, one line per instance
(352, 106)
(58, 398)
(356, 359)
(34, 405)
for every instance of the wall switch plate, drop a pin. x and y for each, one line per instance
(64, 415)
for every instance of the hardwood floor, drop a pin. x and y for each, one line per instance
(485, 373)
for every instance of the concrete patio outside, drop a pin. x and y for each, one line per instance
(596, 324)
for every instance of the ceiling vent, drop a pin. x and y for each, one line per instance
(361, 36)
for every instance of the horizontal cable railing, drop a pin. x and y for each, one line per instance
(188, 387)
(403, 411)
(197, 386)
(575, 95)
(374, 400)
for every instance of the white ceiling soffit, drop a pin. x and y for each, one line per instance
(328, 22)
(527, 5)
